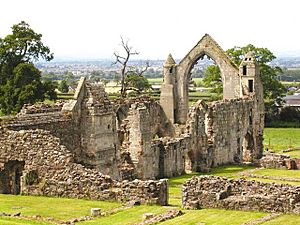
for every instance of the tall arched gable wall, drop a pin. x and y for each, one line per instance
(229, 73)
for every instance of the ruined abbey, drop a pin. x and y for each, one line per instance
(91, 147)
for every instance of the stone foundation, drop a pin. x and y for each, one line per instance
(278, 161)
(219, 192)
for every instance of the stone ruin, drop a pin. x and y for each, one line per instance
(90, 145)
(241, 194)
(279, 161)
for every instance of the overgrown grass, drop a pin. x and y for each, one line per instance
(57, 208)
(281, 138)
(215, 217)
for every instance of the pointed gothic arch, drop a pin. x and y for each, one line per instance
(174, 91)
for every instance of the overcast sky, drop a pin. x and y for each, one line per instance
(92, 28)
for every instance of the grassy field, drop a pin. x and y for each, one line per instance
(128, 216)
(278, 139)
(279, 173)
(214, 217)
(18, 221)
(287, 219)
(57, 208)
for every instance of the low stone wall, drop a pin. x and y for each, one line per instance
(278, 161)
(219, 192)
(45, 167)
(41, 108)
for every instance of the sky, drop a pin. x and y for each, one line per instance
(92, 28)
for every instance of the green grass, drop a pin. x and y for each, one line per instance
(281, 138)
(57, 208)
(279, 173)
(294, 153)
(287, 219)
(65, 96)
(18, 221)
(215, 217)
(155, 80)
(129, 216)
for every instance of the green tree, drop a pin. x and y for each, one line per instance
(49, 89)
(137, 83)
(20, 81)
(63, 87)
(212, 78)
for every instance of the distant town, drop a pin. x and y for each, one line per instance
(106, 69)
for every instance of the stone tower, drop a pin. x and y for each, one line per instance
(251, 86)
(168, 90)
(249, 73)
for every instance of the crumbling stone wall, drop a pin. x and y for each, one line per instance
(98, 130)
(140, 125)
(49, 170)
(219, 192)
(220, 133)
(278, 161)
(59, 124)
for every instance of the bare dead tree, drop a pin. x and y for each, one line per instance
(123, 61)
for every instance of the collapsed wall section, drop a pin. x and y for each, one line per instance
(219, 192)
(48, 169)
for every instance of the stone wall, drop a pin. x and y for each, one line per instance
(140, 126)
(48, 169)
(220, 133)
(59, 124)
(219, 192)
(99, 139)
(278, 161)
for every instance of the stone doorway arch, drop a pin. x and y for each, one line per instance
(174, 91)
(10, 177)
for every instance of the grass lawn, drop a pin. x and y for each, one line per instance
(215, 217)
(57, 208)
(279, 173)
(281, 138)
(17, 221)
(129, 216)
(287, 219)
(294, 153)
